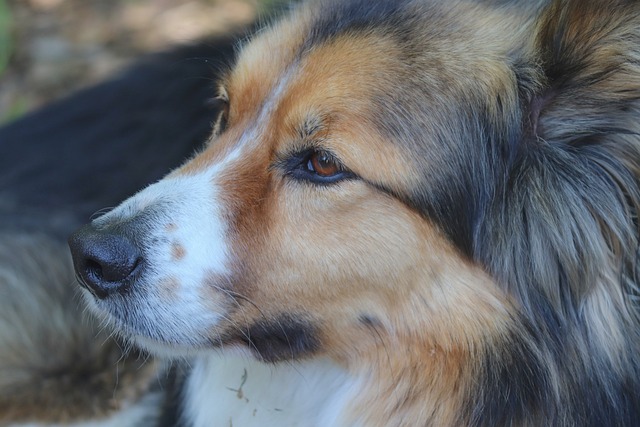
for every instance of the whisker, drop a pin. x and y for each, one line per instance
(101, 212)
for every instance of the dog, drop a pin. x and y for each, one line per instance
(410, 213)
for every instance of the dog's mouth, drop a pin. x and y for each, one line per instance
(286, 336)
(157, 327)
(166, 318)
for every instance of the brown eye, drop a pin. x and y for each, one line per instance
(316, 166)
(323, 164)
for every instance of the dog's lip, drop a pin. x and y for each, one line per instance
(147, 339)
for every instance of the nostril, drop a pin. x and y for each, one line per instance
(105, 262)
(116, 268)
(93, 268)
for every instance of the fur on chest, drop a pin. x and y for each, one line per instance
(241, 392)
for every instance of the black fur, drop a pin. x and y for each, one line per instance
(287, 337)
(172, 412)
(56, 164)
(514, 386)
(355, 17)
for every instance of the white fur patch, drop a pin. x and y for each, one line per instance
(176, 212)
(226, 390)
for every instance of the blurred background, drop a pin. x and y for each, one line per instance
(49, 48)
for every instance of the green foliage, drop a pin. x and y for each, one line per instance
(18, 108)
(5, 34)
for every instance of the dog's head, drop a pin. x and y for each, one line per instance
(346, 191)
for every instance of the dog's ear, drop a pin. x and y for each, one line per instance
(563, 223)
(589, 52)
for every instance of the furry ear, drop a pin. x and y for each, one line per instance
(566, 213)
(589, 51)
(589, 109)
(561, 232)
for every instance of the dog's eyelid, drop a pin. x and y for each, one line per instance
(302, 151)
(295, 164)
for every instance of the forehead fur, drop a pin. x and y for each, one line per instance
(437, 89)
(330, 90)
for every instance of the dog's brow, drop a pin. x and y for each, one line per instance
(311, 125)
(268, 106)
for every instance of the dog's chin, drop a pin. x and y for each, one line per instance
(166, 350)
(159, 345)
(169, 348)
(154, 339)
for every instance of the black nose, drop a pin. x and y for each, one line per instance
(104, 261)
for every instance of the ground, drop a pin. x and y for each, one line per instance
(49, 48)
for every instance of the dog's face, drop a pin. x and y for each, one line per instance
(294, 230)
(442, 196)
